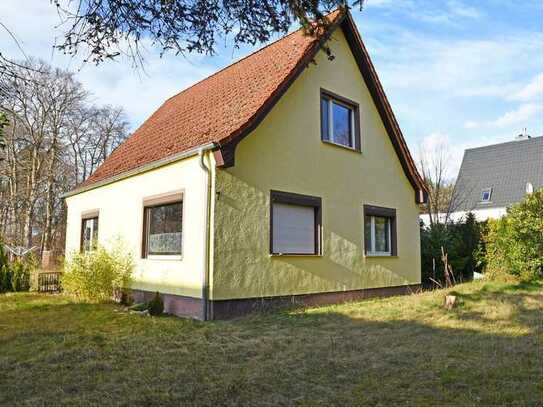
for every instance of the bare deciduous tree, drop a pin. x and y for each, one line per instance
(54, 140)
(93, 134)
(433, 165)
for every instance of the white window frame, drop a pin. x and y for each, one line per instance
(372, 251)
(489, 191)
(85, 217)
(330, 112)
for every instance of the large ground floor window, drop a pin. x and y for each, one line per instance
(163, 229)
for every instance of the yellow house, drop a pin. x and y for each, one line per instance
(281, 178)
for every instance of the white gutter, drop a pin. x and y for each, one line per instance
(144, 168)
(205, 286)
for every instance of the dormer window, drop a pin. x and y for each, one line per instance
(486, 195)
(339, 121)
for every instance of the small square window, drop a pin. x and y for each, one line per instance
(379, 231)
(486, 195)
(295, 224)
(339, 123)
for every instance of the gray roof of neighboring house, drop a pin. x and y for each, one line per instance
(506, 168)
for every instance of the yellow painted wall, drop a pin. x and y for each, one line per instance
(285, 153)
(121, 215)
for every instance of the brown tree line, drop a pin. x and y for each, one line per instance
(54, 139)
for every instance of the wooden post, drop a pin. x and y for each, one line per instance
(450, 301)
(447, 270)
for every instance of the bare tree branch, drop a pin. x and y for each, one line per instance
(53, 131)
(105, 29)
(433, 166)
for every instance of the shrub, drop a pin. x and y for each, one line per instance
(5, 272)
(15, 276)
(98, 275)
(20, 276)
(431, 241)
(514, 244)
(463, 243)
(5, 279)
(467, 244)
(156, 305)
(3, 255)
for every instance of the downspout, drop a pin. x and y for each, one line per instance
(205, 286)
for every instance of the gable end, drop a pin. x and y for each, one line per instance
(225, 154)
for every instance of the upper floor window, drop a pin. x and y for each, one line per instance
(486, 195)
(89, 232)
(339, 121)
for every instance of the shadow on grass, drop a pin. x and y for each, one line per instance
(357, 354)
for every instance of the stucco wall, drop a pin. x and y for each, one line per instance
(120, 208)
(285, 153)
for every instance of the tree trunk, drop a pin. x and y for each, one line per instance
(49, 200)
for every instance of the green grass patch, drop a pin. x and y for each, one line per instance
(396, 351)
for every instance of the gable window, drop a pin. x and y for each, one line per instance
(486, 194)
(89, 231)
(380, 231)
(295, 224)
(163, 227)
(339, 121)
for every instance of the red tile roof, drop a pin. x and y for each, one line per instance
(211, 110)
(226, 106)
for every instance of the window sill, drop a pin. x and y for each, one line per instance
(378, 255)
(354, 150)
(294, 255)
(166, 257)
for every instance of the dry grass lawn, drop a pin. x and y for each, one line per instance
(399, 351)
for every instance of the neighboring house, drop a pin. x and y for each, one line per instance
(274, 180)
(492, 178)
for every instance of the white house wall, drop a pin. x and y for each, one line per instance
(480, 215)
(120, 207)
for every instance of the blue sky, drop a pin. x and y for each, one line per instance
(458, 74)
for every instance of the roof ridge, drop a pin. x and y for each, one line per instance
(209, 113)
(242, 59)
(504, 143)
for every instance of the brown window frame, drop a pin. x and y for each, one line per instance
(291, 198)
(382, 212)
(157, 201)
(84, 218)
(351, 104)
